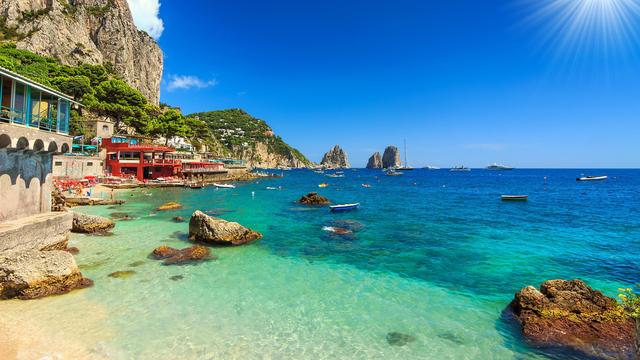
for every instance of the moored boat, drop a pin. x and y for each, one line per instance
(514, 197)
(344, 207)
(224, 186)
(194, 186)
(460, 168)
(496, 166)
(592, 178)
(429, 167)
(323, 185)
(392, 172)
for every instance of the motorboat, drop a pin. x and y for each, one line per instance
(344, 207)
(432, 167)
(592, 178)
(514, 197)
(323, 185)
(224, 186)
(496, 166)
(459, 169)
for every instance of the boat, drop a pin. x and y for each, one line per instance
(496, 166)
(392, 172)
(335, 175)
(323, 185)
(514, 197)
(194, 186)
(271, 188)
(366, 185)
(224, 186)
(344, 207)
(459, 169)
(432, 167)
(592, 178)
(406, 165)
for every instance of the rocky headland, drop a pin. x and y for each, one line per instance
(571, 315)
(375, 161)
(335, 158)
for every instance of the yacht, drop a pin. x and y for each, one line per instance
(432, 167)
(496, 166)
(459, 169)
(405, 166)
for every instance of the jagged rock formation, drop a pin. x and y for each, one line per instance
(375, 161)
(336, 158)
(86, 32)
(239, 135)
(173, 256)
(391, 157)
(571, 314)
(209, 229)
(83, 223)
(314, 198)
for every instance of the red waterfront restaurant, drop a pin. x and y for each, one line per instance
(129, 156)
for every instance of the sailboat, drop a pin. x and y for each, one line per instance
(406, 165)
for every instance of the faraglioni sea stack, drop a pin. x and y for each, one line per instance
(375, 161)
(391, 157)
(336, 158)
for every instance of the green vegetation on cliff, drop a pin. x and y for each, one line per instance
(237, 130)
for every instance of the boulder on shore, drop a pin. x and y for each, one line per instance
(173, 256)
(375, 161)
(313, 198)
(572, 315)
(35, 274)
(169, 206)
(205, 228)
(88, 224)
(391, 157)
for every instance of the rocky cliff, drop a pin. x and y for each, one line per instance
(336, 157)
(239, 135)
(391, 157)
(375, 161)
(86, 32)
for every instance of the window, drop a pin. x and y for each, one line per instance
(58, 163)
(105, 128)
(89, 163)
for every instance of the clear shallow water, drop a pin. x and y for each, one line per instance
(438, 257)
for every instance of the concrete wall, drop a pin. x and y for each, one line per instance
(39, 232)
(77, 167)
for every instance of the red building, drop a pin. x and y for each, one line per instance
(128, 156)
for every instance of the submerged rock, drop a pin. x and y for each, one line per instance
(351, 225)
(89, 224)
(136, 263)
(173, 256)
(122, 274)
(169, 206)
(313, 198)
(572, 315)
(399, 339)
(176, 277)
(178, 219)
(120, 216)
(218, 231)
(391, 157)
(375, 161)
(72, 250)
(35, 274)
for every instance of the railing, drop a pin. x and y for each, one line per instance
(44, 123)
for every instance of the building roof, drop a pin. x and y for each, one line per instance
(33, 84)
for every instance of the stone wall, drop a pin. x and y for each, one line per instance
(77, 167)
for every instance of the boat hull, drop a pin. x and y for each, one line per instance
(514, 197)
(346, 207)
(592, 178)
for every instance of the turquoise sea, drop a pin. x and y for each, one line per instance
(434, 255)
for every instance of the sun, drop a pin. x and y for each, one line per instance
(587, 26)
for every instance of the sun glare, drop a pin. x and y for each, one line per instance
(587, 26)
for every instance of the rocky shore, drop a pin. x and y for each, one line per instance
(212, 230)
(572, 316)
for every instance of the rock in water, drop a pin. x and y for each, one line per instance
(572, 315)
(169, 206)
(336, 158)
(83, 223)
(88, 32)
(122, 274)
(178, 219)
(314, 199)
(35, 274)
(375, 161)
(391, 157)
(399, 339)
(173, 256)
(217, 231)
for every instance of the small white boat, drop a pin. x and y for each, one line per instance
(514, 197)
(271, 188)
(592, 178)
(224, 186)
(496, 166)
(392, 172)
(344, 207)
(459, 169)
(432, 168)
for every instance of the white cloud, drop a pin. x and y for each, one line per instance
(146, 16)
(188, 82)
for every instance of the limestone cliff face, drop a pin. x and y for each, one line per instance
(391, 157)
(261, 156)
(375, 161)
(87, 32)
(336, 157)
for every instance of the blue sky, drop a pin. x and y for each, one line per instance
(464, 81)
